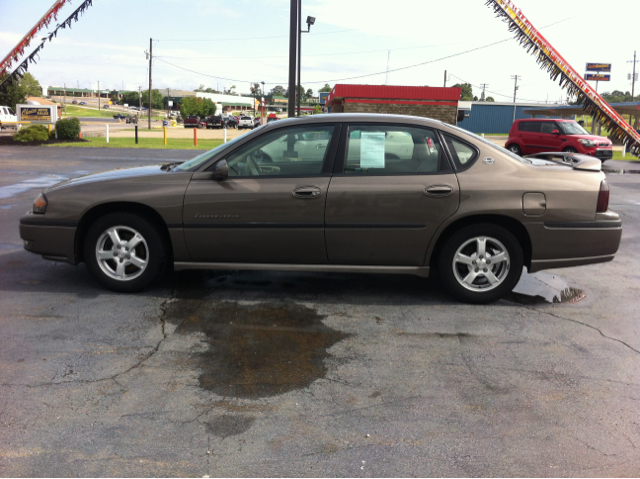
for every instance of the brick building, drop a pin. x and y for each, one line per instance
(431, 102)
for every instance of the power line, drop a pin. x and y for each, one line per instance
(238, 39)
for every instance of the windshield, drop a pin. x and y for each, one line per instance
(491, 144)
(572, 128)
(207, 155)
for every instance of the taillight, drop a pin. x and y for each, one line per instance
(603, 198)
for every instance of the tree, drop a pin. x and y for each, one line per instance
(12, 94)
(201, 107)
(325, 88)
(131, 98)
(256, 90)
(31, 85)
(490, 98)
(467, 91)
(230, 91)
(616, 96)
(475, 98)
(156, 98)
(309, 94)
(278, 91)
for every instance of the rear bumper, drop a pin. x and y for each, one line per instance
(54, 241)
(574, 243)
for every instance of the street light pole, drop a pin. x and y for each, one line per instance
(293, 40)
(98, 94)
(310, 21)
(150, 83)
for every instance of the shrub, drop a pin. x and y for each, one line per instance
(68, 129)
(32, 133)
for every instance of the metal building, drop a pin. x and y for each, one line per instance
(491, 117)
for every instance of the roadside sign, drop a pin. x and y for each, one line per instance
(598, 67)
(37, 114)
(170, 103)
(126, 105)
(597, 77)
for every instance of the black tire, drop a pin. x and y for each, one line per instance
(570, 149)
(513, 148)
(152, 250)
(506, 272)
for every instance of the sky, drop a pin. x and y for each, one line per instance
(221, 43)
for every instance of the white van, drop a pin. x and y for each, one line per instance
(7, 115)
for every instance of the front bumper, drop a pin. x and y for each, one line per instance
(54, 240)
(603, 153)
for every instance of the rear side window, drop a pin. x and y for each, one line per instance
(463, 154)
(531, 126)
(393, 150)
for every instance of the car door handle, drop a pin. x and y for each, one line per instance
(438, 190)
(307, 192)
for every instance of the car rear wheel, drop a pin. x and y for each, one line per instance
(515, 149)
(570, 149)
(124, 252)
(481, 263)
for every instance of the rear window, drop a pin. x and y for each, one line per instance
(531, 126)
(463, 153)
(245, 118)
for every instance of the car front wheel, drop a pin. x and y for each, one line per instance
(481, 263)
(124, 252)
(570, 149)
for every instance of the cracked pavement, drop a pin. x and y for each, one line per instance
(227, 373)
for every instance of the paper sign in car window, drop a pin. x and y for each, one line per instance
(372, 149)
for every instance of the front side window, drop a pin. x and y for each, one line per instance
(286, 152)
(548, 127)
(393, 150)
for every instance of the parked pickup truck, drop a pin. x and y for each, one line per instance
(245, 122)
(214, 121)
(193, 121)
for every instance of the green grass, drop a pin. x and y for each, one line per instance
(145, 143)
(617, 155)
(73, 110)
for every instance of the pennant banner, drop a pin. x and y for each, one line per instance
(549, 59)
(18, 51)
(22, 68)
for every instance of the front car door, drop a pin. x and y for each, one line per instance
(392, 188)
(271, 207)
(550, 141)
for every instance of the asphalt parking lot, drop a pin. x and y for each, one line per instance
(227, 373)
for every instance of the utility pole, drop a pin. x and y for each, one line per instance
(168, 92)
(150, 83)
(445, 78)
(65, 98)
(484, 87)
(298, 94)
(515, 90)
(293, 49)
(633, 76)
(140, 99)
(386, 80)
(98, 94)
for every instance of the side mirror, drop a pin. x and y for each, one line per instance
(555, 132)
(221, 170)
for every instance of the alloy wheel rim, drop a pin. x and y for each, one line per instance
(122, 253)
(481, 264)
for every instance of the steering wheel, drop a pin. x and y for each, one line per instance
(252, 168)
(260, 156)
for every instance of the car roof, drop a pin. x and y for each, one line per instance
(545, 119)
(361, 117)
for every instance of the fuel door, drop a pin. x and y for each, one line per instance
(534, 204)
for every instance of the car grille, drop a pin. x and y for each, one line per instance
(606, 154)
(604, 144)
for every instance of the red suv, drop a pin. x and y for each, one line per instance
(540, 135)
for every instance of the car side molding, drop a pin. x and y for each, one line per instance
(422, 271)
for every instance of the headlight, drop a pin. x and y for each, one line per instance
(587, 142)
(40, 205)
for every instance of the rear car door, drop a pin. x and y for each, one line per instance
(392, 187)
(529, 132)
(271, 207)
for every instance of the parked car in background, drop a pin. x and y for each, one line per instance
(272, 117)
(132, 119)
(257, 121)
(106, 107)
(7, 115)
(83, 103)
(74, 102)
(119, 116)
(532, 136)
(193, 121)
(231, 121)
(245, 122)
(213, 121)
(335, 193)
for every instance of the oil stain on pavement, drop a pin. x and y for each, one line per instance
(255, 350)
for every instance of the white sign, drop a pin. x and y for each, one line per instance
(170, 103)
(126, 105)
(372, 149)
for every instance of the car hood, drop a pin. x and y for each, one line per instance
(128, 173)
(597, 139)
